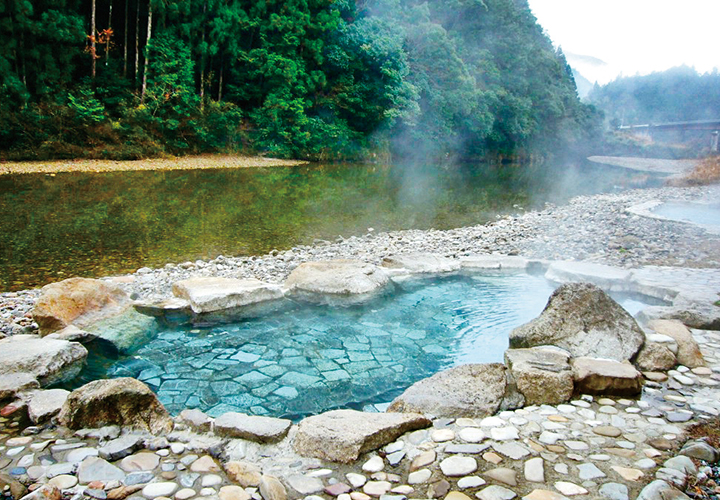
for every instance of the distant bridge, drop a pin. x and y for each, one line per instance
(647, 129)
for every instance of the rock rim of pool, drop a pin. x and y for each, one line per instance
(672, 285)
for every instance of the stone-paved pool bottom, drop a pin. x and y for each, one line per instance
(305, 359)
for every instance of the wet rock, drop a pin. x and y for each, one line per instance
(78, 301)
(542, 375)
(72, 333)
(336, 277)
(342, 435)
(421, 263)
(46, 404)
(655, 357)
(585, 321)
(172, 309)
(196, 419)
(16, 488)
(253, 428)
(472, 390)
(688, 350)
(122, 401)
(603, 376)
(50, 361)
(208, 294)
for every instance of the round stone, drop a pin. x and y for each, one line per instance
(375, 464)
(376, 488)
(419, 476)
(458, 466)
(471, 435)
(443, 435)
(185, 493)
(233, 492)
(614, 491)
(154, 490)
(470, 482)
(63, 481)
(356, 480)
(210, 480)
(607, 430)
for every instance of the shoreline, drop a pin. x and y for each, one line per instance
(176, 163)
(596, 228)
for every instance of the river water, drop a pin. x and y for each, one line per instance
(57, 226)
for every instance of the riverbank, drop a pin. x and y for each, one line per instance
(591, 228)
(175, 163)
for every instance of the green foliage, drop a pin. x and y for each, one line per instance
(318, 79)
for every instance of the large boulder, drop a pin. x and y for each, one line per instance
(421, 263)
(472, 390)
(342, 278)
(585, 321)
(50, 361)
(13, 383)
(207, 294)
(342, 435)
(126, 402)
(542, 374)
(78, 301)
(688, 353)
(605, 376)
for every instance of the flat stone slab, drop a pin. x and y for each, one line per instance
(13, 383)
(604, 376)
(472, 390)
(421, 263)
(609, 278)
(252, 428)
(337, 277)
(542, 374)
(342, 435)
(493, 262)
(206, 294)
(49, 360)
(46, 404)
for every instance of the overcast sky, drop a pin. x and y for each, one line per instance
(636, 36)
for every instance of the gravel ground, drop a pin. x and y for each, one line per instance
(591, 228)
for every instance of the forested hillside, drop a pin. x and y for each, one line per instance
(318, 79)
(678, 94)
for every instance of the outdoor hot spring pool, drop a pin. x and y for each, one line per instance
(305, 359)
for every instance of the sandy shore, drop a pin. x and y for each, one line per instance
(180, 163)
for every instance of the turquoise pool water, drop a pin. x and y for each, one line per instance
(305, 359)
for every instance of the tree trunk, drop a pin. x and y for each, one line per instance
(92, 38)
(125, 48)
(147, 53)
(202, 61)
(107, 42)
(137, 42)
(220, 79)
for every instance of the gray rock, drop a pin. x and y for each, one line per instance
(700, 450)
(585, 321)
(305, 485)
(655, 357)
(50, 361)
(421, 263)
(121, 401)
(272, 489)
(79, 454)
(13, 383)
(495, 492)
(472, 390)
(196, 419)
(97, 469)
(336, 277)
(72, 333)
(46, 404)
(208, 294)
(252, 428)
(660, 490)
(542, 375)
(142, 477)
(681, 463)
(614, 491)
(604, 376)
(342, 435)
